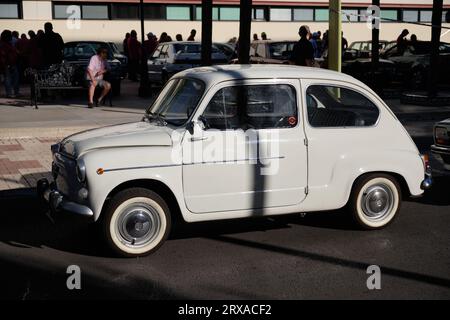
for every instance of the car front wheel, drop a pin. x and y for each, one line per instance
(136, 222)
(375, 201)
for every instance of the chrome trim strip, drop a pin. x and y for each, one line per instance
(189, 164)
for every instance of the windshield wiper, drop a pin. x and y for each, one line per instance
(155, 116)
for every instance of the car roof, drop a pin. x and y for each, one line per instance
(274, 41)
(214, 74)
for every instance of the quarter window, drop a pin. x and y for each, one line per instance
(252, 107)
(332, 106)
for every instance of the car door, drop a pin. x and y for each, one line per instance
(248, 151)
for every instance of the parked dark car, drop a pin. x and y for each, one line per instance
(361, 69)
(412, 64)
(363, 49)
(121, 57)
(172, 57)
(440, 150)
(78, 54)
(273, 52)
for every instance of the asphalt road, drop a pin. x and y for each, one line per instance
(317, 256)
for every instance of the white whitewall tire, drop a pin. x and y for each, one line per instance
(375, 200)
(136, 222)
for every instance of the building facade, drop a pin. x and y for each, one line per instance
(279, 19)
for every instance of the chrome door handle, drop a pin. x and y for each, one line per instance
(198, 138)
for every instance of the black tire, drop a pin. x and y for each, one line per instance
(375, 191)
(119, 216)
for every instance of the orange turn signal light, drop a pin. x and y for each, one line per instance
(100, 171)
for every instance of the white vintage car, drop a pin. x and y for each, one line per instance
(239, 141)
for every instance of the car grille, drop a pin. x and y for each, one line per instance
(64, 173)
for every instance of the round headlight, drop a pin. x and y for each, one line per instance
(81, 171)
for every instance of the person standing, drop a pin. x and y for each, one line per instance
(192, 35)
(8, 64)
(150, 44)
(52, 46)
(303, 52)
(255, 37)
(402, 43)
(263, 36)
(125, 44)
(97, 67)
(179, 37)
(134, 55)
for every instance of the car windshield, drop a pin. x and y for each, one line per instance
(176, 102)
(281, 50)
(83, 50)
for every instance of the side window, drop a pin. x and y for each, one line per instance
(157, 52)
(252, 107)
(332, 106)
(164, 52)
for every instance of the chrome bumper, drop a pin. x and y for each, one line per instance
(58, 203)
(427, 183)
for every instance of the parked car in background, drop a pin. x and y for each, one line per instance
(228, 49)
(440, 150)
(121, 57)
(170, 58)
(273, 52)
(412, 65)
(362, 49)
(235, 141)
(78, 54)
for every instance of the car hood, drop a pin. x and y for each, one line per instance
(135, 134)
(444, 122)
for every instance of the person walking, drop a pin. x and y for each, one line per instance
(8, 65)
(52, 46)
(134, 55)
(97, 67)
(303, 52)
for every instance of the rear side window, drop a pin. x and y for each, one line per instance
(333, 106)
(252, 107)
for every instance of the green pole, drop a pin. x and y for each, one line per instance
(335, 36)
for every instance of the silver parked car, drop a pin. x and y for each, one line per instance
(172, 57)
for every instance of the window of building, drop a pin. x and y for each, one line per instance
(63, 11)
(9, 10)
(94, 12)
(258, 14)
(349, 15)
(391, 15)
(446, 16)
(332, 106)
(425, 15)
(303, 14)
(155, 12)
(322, 15)
(178, 12)
(410, 15)
(229, 13)
(126, 11)
(280, 14)
(198, 13)
(254, 106)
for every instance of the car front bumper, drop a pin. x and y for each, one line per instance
(438, 161)
(58, 203)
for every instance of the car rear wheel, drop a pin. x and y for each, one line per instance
(136, 222)
(375, 201)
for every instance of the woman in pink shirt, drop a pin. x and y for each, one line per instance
(97, 67)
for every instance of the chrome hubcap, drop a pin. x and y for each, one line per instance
(138, 224)
(377, 201)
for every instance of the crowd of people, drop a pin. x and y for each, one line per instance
(38, 50)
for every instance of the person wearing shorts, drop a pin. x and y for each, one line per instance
(97, 67)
